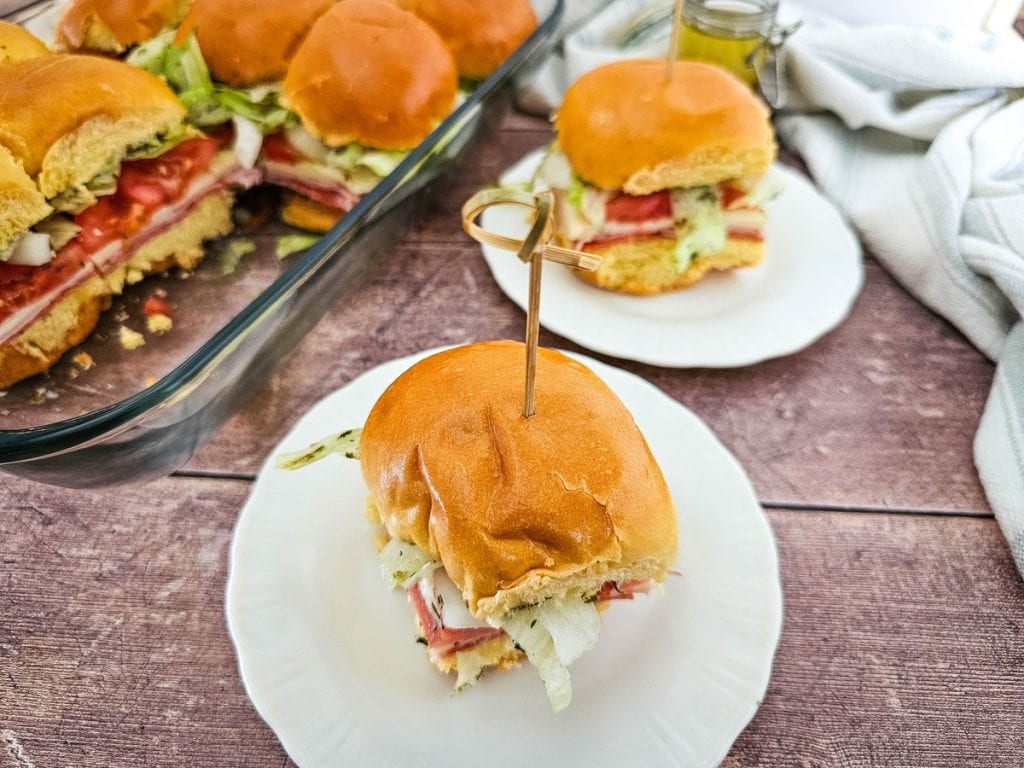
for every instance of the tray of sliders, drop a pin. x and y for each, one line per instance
(185, 191)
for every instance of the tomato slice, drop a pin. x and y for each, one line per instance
(277, 149)
(623, 207)
(729, 194)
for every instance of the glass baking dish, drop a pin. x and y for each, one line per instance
(107, 415)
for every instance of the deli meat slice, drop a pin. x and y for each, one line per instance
(442, 640)
(333, 194)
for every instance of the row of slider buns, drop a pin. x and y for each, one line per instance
(105, 177)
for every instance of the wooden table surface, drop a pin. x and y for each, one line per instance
(903, 642)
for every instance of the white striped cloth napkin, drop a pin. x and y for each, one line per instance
(917, 134)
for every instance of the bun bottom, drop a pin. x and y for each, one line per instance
(648, 267)
(307, 214)
(74, 316)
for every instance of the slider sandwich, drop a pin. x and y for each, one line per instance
(509, 534)
(326, 97)
(480, 35)
(114, 26)
(101, 183)
(369, 83)
(663, 178)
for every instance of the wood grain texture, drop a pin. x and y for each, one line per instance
(880, 413)
(902, 642)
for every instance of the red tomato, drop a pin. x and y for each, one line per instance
(730, 194)
(623, 207)
(155, 305)
(277, 149)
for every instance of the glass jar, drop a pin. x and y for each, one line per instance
(729, 33)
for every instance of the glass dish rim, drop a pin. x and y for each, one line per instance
(29, 443)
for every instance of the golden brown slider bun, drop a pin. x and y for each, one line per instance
(648, 266)
(21, 203)
(480, 35)
(625, 126)
(308, 214)
(17, 43)
(518, 510)
(111, 26)
(373, 73)
(93, 110)
(247, 42)
(74, 317)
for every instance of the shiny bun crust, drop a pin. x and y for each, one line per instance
(517, 510)
(373, 73)
(480, 35)
(94, 109)
(624, 126)
(111, 26)
(17, 43)
(248, 42)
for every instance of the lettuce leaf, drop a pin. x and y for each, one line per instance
(553, 634)
(347, 444)
(290, 244)
(208, 103)
(353, 156)
(402, 563)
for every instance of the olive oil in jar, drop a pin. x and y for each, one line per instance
(726, 33)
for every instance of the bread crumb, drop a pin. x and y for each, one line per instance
(83, 360)
(159, 323)
(130, 339)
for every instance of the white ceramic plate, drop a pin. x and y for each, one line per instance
(328, 657)
(811, 274)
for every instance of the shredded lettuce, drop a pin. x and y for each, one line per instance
(232, 253)
(575, 193)
(553, 634)
(347, 444)
(162, 142)
(354, 156)
(402, 563)
(61, 230)
(208, 103)
(701, 228)
(290, 244)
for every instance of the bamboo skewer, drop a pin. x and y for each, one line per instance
(533, 250)
(673, 44)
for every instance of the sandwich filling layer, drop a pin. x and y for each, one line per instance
(700, 219)
(146, 198)
(551, 634)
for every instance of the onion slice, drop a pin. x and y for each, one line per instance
(33, 250)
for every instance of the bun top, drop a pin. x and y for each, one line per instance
(625, 126)
(248, 42)
(517, 509)
(480, 35)
(94, 109)
(17, 43)
(373, 73)
(111, 26)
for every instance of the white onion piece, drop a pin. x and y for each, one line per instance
(32, 251)
(307, 144)
(248, 141)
